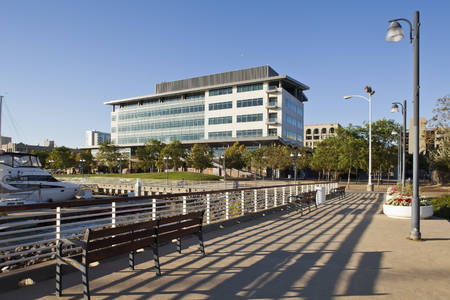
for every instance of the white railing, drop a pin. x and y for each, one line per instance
(28, 234)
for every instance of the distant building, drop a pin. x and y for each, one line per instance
(315, 133)
(95, 138)
(5, 140)
(21, 147)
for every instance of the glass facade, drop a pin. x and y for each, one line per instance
(249, 87)
(220, 120)
(161, 112)
(221, 105)
(219, 135)
(250, 102)
(218, 92)
(249, 118)
(249, 133)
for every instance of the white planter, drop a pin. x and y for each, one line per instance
(404, 212)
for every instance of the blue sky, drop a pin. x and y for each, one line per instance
(60, 60)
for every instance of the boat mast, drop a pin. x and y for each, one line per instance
(1, 103)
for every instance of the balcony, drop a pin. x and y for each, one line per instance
(272, 105)
(272, 121)
(273, 90)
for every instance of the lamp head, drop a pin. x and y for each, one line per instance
(347, 97)
(394, 32)
(394, 108)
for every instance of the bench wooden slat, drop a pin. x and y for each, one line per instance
(118, 239)
(177, 234)
(173, 219)
(101, 254)
(100, 233)
(175, 226)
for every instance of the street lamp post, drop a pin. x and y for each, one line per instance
(395, 34)
(399, 143)
(295, 156)
(395, 109)
(166, 163)
(51, 161)
(120, 165)
(224, 170)
(370, 92)
(81, 166)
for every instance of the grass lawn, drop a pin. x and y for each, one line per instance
(161, 175)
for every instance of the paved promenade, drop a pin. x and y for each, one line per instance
(345, 249)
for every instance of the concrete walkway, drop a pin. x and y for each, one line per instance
(344, 249)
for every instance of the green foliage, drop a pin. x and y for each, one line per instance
(277, 157)
(108, 154)
(175, 151)
(62, 158)
(325, 157)
(256, 158)
(43, 156)
(88, 162)
(149, 154)
(200, 157)
(441, 206)
(235, 156)
(304, 156)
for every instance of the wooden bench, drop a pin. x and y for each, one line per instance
(100, 244)
(339, 192)
(306, 198)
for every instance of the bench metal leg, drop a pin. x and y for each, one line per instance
(179, 245)
(200, 239)
(131, 260)
(85, 282)
(156, 259)
(58, 279)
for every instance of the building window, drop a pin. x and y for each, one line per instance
(272, 132)
(161, 112)
(113, 129)
(331, 130)
(273, 101)
(249, 118)
(249, 133)
(308, 131)
(316, 137)
(272, 117)
(196, 96)
(308, 137)
(250, 102)
(160, 125)
(223, 91)
(219, 135)
(324, 130)
(250, 87)
(316, 131)
(221, 105)
(220, 120)
(113, 118)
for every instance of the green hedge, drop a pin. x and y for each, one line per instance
(441, 206)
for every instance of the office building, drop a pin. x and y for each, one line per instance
(315, 133)
(95, 138)
(253, 106)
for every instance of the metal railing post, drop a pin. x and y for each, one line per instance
(255, 201)
(296, 189)
(266, 198)
(184, 205)
(208, 208)
(283, 197)
(227, 206)
(153, 209)
(242, 202)
(113, 214)
(58, 223)
(275, 197)
(290, 194)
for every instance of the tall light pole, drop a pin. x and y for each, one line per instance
(395, 34)
(81, 166)
(295, 156)
(370, 92)
(399, 143)
(395, 109)
(166, 163)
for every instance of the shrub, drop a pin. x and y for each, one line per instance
(441, 206)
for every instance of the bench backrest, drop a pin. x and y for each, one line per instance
(170, 228)
(109, 242)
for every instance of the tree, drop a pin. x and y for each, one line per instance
(235, 156)
(86, 159)
(350, 149)
(149, 154)
(43, 157)
(61, 158)
(440, 156)
(256, 158)
(277, 158)
(200, 157)
(175, 151)
(325, 157)
(108, 154)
